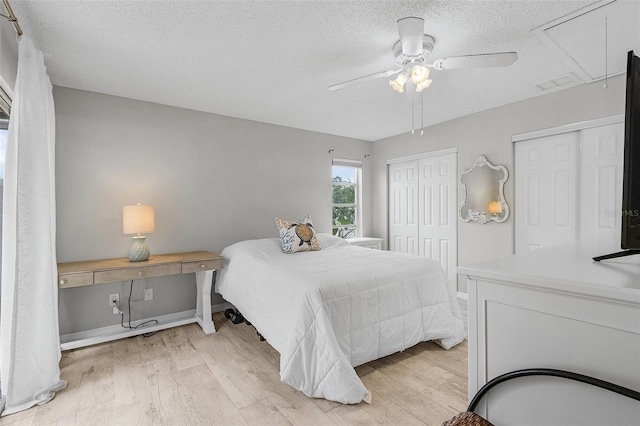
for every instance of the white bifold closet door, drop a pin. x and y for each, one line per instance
(422, 209)
(546, 179)
(568, 186)
(403, 207)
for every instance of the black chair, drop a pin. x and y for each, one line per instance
(470, 418)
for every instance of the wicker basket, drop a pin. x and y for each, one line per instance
(467, 418)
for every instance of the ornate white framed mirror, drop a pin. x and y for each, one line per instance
(483, 192)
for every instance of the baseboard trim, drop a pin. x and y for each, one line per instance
(114, 332)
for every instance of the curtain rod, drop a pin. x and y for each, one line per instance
(11, 17)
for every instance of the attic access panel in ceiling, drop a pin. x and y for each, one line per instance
(593, 42)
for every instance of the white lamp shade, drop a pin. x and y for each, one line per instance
(137, 219)
(398, 83)
(419, 73)
(420, 87)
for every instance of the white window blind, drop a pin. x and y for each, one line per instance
(346, 162)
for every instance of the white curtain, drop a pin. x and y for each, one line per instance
(30, 343)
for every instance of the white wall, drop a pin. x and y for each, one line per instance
(489, 133)
(213, 180)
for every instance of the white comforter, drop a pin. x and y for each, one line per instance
(328, 311)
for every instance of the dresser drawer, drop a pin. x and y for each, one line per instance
(126, 274)
(75, 280)
(203, 265)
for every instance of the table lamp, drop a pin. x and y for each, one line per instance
(136, 220)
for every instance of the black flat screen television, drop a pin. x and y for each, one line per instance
(630, 242)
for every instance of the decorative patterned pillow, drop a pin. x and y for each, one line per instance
(297, 236)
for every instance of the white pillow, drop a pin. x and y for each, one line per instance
(328, 240)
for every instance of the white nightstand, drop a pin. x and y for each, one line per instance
(368, 242)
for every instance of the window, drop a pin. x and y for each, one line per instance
(5, 110)
(4, 126)
(5, 107)
(346, 180)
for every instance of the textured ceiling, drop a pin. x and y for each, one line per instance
(272, 61)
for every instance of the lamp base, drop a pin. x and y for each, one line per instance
(139, 250)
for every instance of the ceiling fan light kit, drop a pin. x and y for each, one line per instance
(416, 74)
(411, 52)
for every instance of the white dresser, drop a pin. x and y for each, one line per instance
(368, 242)
(556, 308)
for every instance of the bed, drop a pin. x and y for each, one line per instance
(330, 310)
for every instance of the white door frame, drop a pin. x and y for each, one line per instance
(428, 154)
(581, 125)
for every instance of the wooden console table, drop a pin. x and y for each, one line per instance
(93, 272)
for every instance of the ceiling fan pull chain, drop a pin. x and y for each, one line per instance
(413, 117)
(422, 113)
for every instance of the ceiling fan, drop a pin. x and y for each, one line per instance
(411, 53)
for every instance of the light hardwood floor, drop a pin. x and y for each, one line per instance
(181, 376)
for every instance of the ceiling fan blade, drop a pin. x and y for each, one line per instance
(348, 83)
(411, 33)
(502, 59)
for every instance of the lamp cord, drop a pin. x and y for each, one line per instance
(129, 312)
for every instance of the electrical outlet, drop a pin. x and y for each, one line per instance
(114, 299)
(148, 294)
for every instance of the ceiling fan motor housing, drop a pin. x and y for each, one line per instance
(402, 59)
